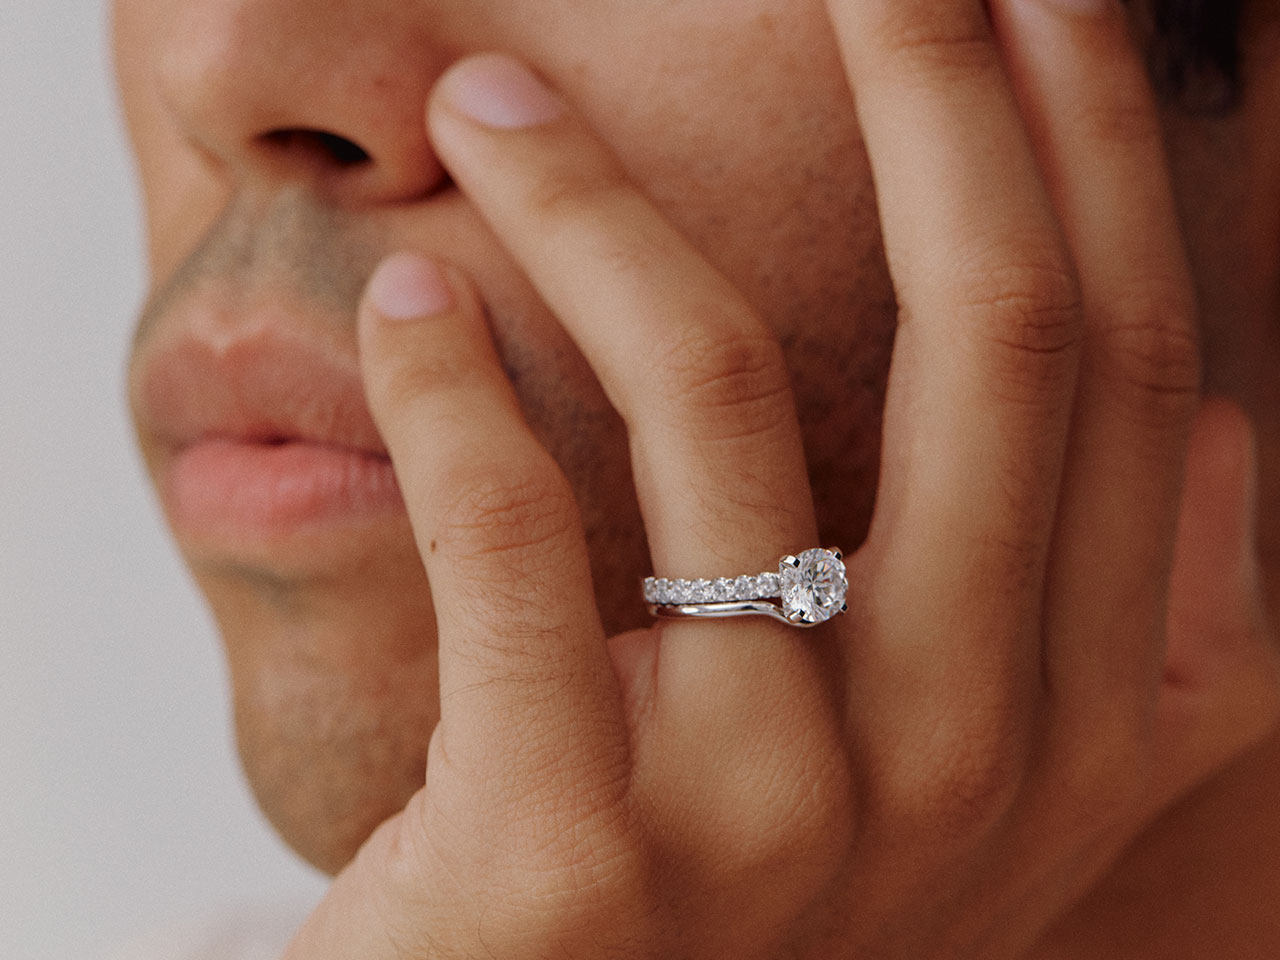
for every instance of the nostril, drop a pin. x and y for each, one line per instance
(317, 145)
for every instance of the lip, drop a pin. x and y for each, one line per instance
(257, 438)
(236, 488)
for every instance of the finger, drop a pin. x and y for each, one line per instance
(528, 698)
(700, 382)
(984, 365)
(1221, 688)
(1089, 104)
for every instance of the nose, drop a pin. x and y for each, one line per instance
(323, 91)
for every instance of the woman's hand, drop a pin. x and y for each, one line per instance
(941, 772)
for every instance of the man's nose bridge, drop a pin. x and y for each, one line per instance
(322, 91)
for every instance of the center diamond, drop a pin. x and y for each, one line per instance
(813, 586)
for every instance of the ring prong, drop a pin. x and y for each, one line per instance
(790, 561)
(837, 553)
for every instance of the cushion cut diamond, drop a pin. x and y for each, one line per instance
(813, 586)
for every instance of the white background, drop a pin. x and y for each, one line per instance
(122, 809)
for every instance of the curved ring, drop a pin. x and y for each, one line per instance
(809, 588)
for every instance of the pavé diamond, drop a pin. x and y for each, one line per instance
(813, 586)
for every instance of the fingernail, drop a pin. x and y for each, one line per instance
(407, 286)
(500, 92)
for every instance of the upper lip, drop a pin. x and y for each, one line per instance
(259, 385)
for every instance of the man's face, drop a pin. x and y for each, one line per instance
(282, 153)
(282, 150)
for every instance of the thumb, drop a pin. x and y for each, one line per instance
(1221, 689)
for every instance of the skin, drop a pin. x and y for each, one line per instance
(935, 777)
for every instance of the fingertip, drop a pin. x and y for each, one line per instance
(415, 318)
(408, 286)
(499, 92)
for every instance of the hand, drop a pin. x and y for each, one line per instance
(939, 773)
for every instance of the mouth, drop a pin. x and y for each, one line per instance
(260, 441)
(241, 488)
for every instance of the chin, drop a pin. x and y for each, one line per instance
(328, 762)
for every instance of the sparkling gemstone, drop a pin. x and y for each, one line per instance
(814, 587)
(722, 590)
(679, 591)
(701, 592)
(770, 585)
(745, 588)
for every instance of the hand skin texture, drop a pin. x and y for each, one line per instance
(682, 287)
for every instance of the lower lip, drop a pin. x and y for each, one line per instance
(269, 490)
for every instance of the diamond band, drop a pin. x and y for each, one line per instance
(660, 590)
(808, 589)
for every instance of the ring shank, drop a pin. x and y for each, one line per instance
(732, 608)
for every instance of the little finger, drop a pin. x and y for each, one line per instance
(528, 698)
(1093, 117)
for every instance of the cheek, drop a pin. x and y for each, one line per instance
(181, 193)
(745, 136)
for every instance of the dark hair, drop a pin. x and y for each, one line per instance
(1195, 51)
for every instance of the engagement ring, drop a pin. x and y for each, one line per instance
(807, 589)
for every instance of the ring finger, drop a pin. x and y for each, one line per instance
(698, 379)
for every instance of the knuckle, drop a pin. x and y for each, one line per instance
(430, 372)
(572, 206)
(804, 811)
(974, 789)
(1028, 325)
(577, 192)
(1105, 778)
(526, 661)
(1125, 120)
(574, 884)
(966, 780)
(1151, 353)
(576, 845)
(1032, 307)
(1014, 559)
(725, 384)
(533, 884)
(514, 516)
(954, 43)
